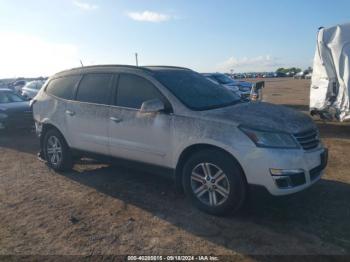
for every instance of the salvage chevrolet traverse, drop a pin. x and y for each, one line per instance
(215, 143)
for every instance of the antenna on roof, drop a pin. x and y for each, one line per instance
(137, 59)
(81, 62)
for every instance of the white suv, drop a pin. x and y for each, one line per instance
(214, 143)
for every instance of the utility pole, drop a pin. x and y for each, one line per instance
(137, 59)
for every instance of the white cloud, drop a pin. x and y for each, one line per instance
(26, 55)
(149, 16)
(244, 64)
(85, 6)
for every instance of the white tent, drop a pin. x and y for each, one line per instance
(330, 87)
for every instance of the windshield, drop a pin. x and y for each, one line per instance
(195, 90)
(35, 85)
(31, 85)
(223, 79)
(9, 97)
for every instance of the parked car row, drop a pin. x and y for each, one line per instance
(256, 75)
(301, 75)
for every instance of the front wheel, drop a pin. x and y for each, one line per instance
(56, 151)
(214, 182)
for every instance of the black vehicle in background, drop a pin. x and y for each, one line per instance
(15, 111)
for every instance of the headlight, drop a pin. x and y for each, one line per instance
(270, 139)
(2, 115)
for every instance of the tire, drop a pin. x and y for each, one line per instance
(62, 161)
(229, 186)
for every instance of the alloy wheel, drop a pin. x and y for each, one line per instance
(210, 184)
(54, 150)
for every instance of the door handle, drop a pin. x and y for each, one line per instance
(70, 113)
(115, 119)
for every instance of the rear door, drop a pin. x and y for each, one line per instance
(144, 137)
(88, 116)
(63, 89)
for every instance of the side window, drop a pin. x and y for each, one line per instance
(63, 87)
(95, 88)
(134, 90)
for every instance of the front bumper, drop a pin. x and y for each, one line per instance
(260, 167)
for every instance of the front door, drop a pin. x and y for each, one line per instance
(144, 137)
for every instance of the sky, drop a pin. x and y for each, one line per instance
(42, 37)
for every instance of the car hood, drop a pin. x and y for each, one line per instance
(244, 84)
(16, 107)
(240, 84)
(231, 87)
(264, 116)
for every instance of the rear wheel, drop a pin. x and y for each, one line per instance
(214, 182)
(56, 151)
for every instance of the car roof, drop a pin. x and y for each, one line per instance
(141, 68)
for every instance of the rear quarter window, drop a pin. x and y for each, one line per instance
(95, 88)
(63, 87)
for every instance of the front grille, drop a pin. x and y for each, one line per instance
(308, 140)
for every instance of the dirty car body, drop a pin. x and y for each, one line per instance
(215, 143)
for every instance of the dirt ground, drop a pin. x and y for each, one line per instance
(103, 209)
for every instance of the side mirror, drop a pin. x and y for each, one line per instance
(152, 106)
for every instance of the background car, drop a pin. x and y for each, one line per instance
(240, 87)
(15, 111)
(31, 89)
(308, 76)
(17, 86)
(279, 74)
(300, 75)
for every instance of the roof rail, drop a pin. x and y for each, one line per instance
(144, 68)
(174, 67)
(102, 66)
